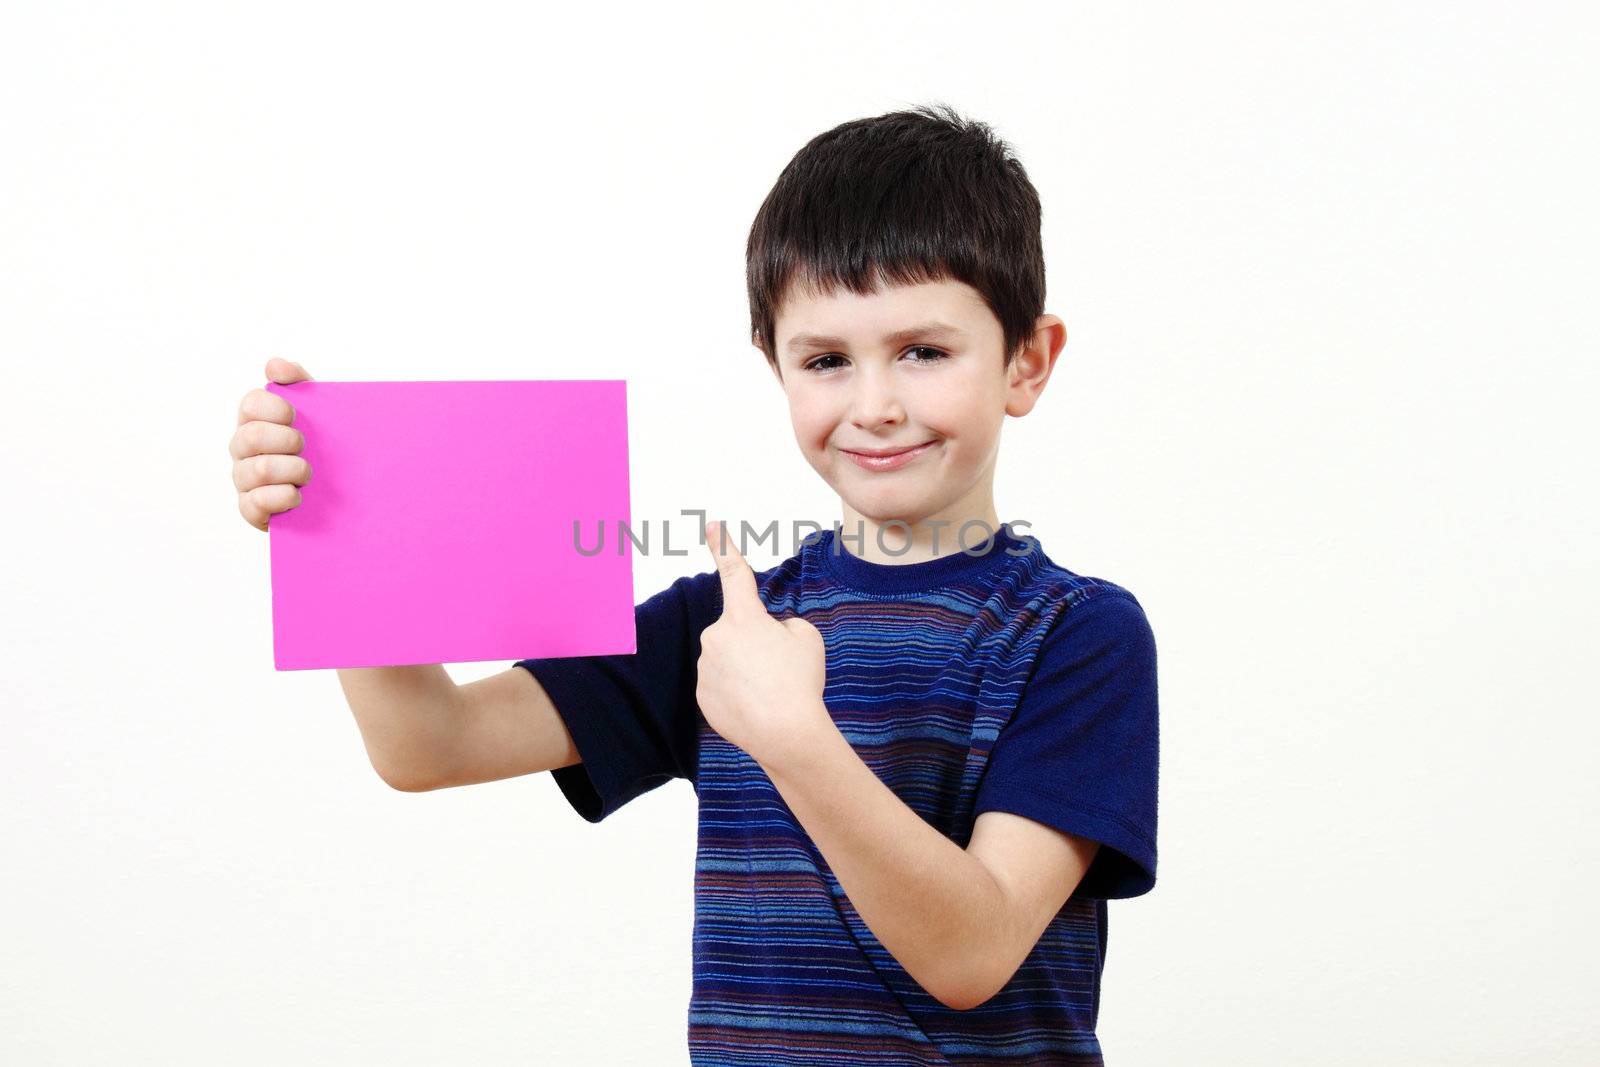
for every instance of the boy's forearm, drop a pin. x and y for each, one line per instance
(931, 903)
(407, 717)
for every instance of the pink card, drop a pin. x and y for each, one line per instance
(438, 524)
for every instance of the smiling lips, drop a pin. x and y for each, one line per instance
(887, 460)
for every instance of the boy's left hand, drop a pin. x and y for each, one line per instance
(760, 679)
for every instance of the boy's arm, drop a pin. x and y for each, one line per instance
(423, 732)
(960, 921)
(505, 725)
(1076, 764)
(403, 712)
(1037, 868)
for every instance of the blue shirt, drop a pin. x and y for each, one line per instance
(988, 681)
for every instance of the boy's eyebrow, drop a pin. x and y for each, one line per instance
(930, 330)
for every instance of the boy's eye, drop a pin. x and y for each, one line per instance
(934, 355)
(818, 363)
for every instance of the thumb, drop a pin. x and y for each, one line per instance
(284, 372)
(795, 624)
(808, 633)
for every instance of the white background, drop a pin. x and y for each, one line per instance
(1326, 408)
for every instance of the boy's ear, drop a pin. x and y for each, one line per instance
(1031, 369)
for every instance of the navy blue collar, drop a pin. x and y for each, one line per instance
(955, 566)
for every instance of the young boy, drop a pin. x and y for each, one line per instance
(911, 826)
(925, 757)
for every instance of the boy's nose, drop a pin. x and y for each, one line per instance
(873, 402)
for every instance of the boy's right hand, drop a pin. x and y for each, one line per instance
(267, 470)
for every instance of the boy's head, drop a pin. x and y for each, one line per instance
(875, 230)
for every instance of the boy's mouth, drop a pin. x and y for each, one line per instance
(885, 459)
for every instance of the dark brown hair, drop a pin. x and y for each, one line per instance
(909, 196)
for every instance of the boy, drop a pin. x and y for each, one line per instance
(924, 756)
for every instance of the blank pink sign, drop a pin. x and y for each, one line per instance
(438, 525)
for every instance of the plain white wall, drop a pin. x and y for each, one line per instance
(1326, 408)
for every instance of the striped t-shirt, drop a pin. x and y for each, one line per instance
(993, 679)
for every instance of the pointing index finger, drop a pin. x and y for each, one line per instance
(738, 580)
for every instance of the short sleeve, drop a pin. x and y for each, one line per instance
(1080, 753)
(634, 718)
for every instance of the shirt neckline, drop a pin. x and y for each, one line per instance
(959, 565)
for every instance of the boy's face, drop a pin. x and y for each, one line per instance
(853, 384)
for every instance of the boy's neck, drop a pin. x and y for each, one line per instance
(886, 541)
